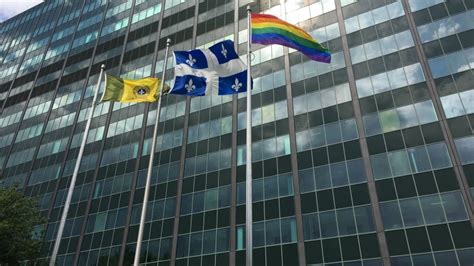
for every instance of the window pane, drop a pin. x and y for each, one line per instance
(438, 155)
(183, 246)
(285, 185)
(257, 189)
(364, 219)
(195, 244)
(407, 119)
(240, 238)
(380, 166)
(271, 187)
(222, 239)
(258, 234)
(303, 140)
(209, 242)
(333, 133)
(323, 179)
(224, 196)
(411, 212)
(432, 209)
(454, 206)
(391, 215)
(318, 137)
(328, 97)
(272, 232)
(467, 97)
(380, 83)
(372, 124)
(418, 159)
(311, 226)
(399, 163)
(307, 182)
(364, 87)
(211, 199)
(328, 224)
(389, 120)
(288, 230)
(356, 171)
(426, 112)
(349, 129)
(100, 221)
(465, 147)
(345, 220)
(198, 203)
(452, 105)
(339, 174)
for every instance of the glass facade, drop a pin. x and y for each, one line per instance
(368, 160)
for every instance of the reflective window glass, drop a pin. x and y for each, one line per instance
(391, 215)
(411, 212)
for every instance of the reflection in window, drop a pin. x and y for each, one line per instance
(452, 105)
(399, 163)
(454, 206)
(328, 223)
(373, 17)
(416, 5)
(411, 212)
(346, 222)
(399, 118)
(425, 112)
(418, 159)
(364, 219)
(439, 156)
(383, 46)
(390, 80)
(272, 187)
(337, 174)
(451, 63)
(432, 209)
(380, 166)
(274, 232)
(311, 226)
(465, 147)
(389, 120)
(326, 134)
(446, 26)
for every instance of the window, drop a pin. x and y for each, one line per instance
(311, 226)
(432, 209)
(391, 215)
(465, 147)
(454, 206)
(411, 212)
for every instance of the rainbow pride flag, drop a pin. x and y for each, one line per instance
(268, 29)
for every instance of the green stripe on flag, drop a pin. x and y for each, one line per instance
(113, 89)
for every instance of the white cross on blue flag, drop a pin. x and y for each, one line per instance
(217, 70)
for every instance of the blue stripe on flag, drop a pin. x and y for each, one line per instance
(233, 84)
(194, 58)
(189, 85)
(224, 51)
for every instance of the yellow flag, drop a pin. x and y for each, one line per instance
(127, 90)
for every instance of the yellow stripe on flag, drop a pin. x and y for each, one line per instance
(142, 90)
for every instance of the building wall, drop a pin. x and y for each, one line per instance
(364, 161)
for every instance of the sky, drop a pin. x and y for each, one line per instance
(10, 8)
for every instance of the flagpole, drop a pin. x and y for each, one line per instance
(150, 162)
(248, 180)
(75, 173)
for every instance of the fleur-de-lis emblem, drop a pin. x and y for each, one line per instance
(223, 51)
(191, 60)
(190, 86)
(237, 85)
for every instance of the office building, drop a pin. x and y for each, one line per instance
(368, 160)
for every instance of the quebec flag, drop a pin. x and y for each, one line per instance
(217, 70)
